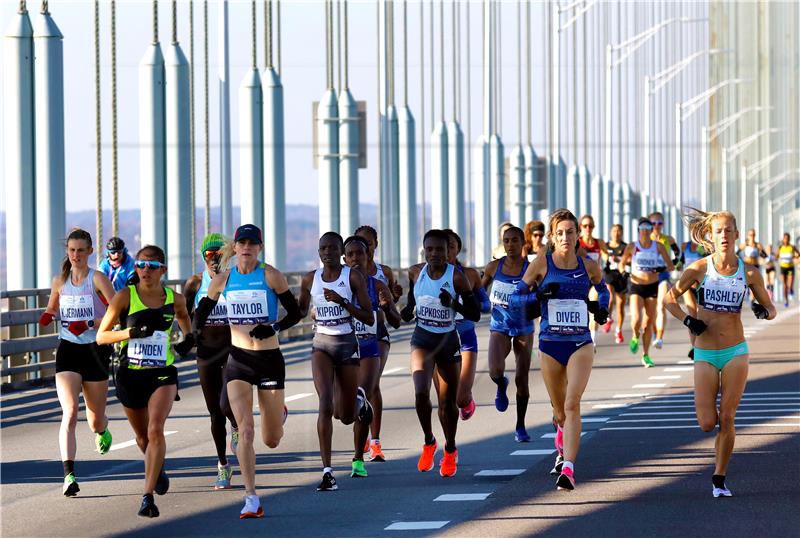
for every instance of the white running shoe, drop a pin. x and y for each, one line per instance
(722, 492)
(252, 508)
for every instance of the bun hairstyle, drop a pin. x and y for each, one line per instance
(699, 224)
(76, 234)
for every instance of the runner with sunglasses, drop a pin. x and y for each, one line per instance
(534, 240)
(251, 291)
(508, 329)
(721, 355)
(384, 274)
(787, 258)
(118, 264)
(78, 297)
(595, 249)
(433, 297)
(615, 281)
(147, 381)
(340, 297)
(648, 259)
(383, 308)
(669, 243)
(213, 347)
(466, 332)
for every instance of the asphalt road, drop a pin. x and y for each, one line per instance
(644, 467)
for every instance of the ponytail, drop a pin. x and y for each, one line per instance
(79, 234)
(699, 224)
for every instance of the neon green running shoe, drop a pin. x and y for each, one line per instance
(633, 345)
(70, 488)
(358, 470)
(103, 441)
(647, 361)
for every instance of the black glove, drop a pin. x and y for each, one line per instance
(549, 291)
(533, 310)
(759, 310)
(696, 326)
(153, 318)
(446, 299)
(183, 348)
(407, 313)
(593, 307)
(262, 332)
(141, 331)
(601, 316)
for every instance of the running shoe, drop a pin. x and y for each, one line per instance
(647, 362)
(633, 345)
(285, 414)
(365, 413)
(566, 480)
(501, 399)
(558, 440)
(366, 444)
(521, 436)
(162, 484)
(358, 470)
(607, 326)
(224, 474)
(449, 464)
(425, 462)
(468, 411)
(71, 487)
(618, 337)
(103, 442)
(375, 452)
(234, 439)
(328, 483)
(148, 507)
(252, 507)
(559, 463)
(659, 343)
(721, 492)
(786, 304)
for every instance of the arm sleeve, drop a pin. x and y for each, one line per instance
(292, 316)
(603, 297)
(675, 252)
(468, 308)
(483, 299)
(201, 313)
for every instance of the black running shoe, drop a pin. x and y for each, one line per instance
(162, 484)
(557, 467)
(328, 483)
(148, 508)
(71, 487)
(365, 414)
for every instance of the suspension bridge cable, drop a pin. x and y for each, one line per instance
(97, 127)
(207, 215)
(192, 136)
(114, 139)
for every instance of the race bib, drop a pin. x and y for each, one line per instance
(786, 257)
(431, 313)
(366, 331)
(150, 352)
(76, 308)
(723, 294)
(246, 307)
(567, 316)
(646, 262)
(501, 292)
(219, 315)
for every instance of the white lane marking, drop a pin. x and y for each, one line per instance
(132, 442)
(611, 406)
(534, 452)
(796, 394)
(690, 398)
(594, 419)
(300, 396)
(552, 435)
(649, 386)
(500, 472)
(679, 369)
(416, 525)
(688, 361)
(393, 370)
(654, 377)
(765, 425)
(692, 419)
(451, 497)
(638, 407)
(632, 395)
(653, 413)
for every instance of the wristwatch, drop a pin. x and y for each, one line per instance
(345, 302)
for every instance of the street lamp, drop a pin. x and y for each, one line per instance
(752, 171)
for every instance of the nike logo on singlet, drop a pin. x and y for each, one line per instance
(578, 275)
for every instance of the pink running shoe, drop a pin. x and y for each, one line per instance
(566, 480)
(607, 326)
(468, 411)
(559, 440)
(618, 337)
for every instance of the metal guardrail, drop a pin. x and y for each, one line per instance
(28, 350)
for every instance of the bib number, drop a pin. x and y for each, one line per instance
(150, 352)
(76, 308)
(247, 307)
(567, 316)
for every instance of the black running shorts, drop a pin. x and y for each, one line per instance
(89, 360)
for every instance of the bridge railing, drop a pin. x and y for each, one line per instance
(28, 350)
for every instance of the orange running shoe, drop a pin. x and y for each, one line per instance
(375, 452)
(425, 462)
(449, 463)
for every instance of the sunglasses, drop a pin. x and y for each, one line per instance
(210, 254)
(148, 264)
(658, 223)
(590, 226)
(645, 227)
(113, 252)
(538, 235)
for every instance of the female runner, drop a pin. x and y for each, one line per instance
(616, 282)
(720, 350)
